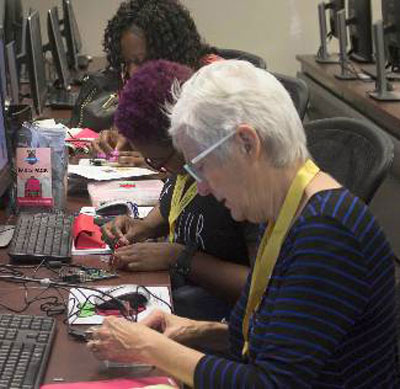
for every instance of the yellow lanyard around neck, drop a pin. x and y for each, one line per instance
(179, 202)
(271, 243)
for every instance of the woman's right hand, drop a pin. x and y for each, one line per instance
(124, 228)
(107, 142)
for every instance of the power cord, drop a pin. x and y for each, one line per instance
(55, 305)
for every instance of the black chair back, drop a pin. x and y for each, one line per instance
(239, 54)
(298, 90)
(356, 153)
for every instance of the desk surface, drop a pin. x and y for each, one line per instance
(354, 93)
(70, 359)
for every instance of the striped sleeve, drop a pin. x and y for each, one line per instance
(315, 296)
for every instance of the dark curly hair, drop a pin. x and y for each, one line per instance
(168, 28)
(140, 116)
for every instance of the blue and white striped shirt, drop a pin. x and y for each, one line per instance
(327, 319)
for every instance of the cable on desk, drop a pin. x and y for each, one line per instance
(53, 306)
(157, 298)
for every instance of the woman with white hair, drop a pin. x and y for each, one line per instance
(318, 309)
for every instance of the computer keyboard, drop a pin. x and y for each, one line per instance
(61, 98)
(25, 345)
(40, 236)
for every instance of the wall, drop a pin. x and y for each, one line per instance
(277, 30)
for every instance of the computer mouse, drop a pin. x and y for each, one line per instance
(114, 208)
(136, 296)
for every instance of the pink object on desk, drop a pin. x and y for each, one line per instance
(82, 138)
(115, 384)
(85, 133)
(87, 235)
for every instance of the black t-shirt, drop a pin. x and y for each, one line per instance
(209, 225)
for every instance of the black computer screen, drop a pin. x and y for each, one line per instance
(69, 28)
(360, 29)
(76, 32)
(5, 177)
(2, 13)
(35, 61)
(3, 77)
(57, 47)
(391, 24)
(334, 7)
(13, 22)
(12, 71)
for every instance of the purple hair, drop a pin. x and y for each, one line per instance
(139, 116)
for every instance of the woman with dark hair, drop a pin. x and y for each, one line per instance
(143, 30)
(207, 272)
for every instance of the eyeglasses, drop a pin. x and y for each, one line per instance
(125, 74)
(159, 165)
(195, 172)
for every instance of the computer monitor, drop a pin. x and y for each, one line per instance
(5, 168)
(2, 13)
(360, 30)
(70, 31)
(35, 62)
(13, 20)
(334, 7)
(12, 71)
(391, 25)
(77, 33)
(3, 77)
(57, 48)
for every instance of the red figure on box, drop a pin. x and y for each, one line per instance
(33, 188)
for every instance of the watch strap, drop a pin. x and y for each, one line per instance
(183, 264)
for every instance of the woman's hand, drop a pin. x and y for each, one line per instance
(122, 341)
(147, 256)
(126, 229)
(180, 329)
(126, 342)
(109, 141)
(131, 158)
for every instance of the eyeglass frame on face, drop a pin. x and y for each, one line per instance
(192, 170)
(125, 75)
(160, 167)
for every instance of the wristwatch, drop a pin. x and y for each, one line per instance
(183, 264)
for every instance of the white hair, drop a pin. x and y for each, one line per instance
(225, 94)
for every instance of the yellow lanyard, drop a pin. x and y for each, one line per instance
(179, 202)
(271, 243)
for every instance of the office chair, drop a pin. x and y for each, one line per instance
(298, 90)
(239, 54)
(356, 153)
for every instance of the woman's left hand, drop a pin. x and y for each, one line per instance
(147, 256)
(122, 341)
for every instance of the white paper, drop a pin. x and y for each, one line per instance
(94, 251)
(78, 296)
(144, 211)
(104, 173)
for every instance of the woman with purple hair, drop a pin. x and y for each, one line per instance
(207, 273)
